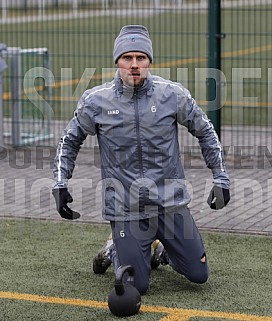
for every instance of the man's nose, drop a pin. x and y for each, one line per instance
(134, 63)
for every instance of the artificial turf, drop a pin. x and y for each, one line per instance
(54, 259)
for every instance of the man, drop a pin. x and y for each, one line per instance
(135, 118)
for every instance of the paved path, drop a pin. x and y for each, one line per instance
(26, 179)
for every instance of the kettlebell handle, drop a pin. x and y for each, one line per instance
(119, 286)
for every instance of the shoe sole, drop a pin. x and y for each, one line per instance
(100, 266)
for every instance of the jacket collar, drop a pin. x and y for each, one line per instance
(122, 89)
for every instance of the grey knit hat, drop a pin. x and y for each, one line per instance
(133, 38)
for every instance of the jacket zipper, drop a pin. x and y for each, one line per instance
(139, 145)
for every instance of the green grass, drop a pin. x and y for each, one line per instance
(54, 259)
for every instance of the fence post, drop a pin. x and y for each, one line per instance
(3, 66)
(214, 64)
(16, 83)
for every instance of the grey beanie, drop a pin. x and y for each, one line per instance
(133, 38)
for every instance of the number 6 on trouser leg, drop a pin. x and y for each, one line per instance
(133, 249)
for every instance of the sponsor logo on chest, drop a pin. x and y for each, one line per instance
(113, 112)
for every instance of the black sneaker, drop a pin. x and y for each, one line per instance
(102, 260)
(160, 256)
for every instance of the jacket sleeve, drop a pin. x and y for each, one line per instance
(190, 115)
(69, 145)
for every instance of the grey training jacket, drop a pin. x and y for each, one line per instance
(137, 132)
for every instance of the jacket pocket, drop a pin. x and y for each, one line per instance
(176, 193)
(110, 197)
(113, 198)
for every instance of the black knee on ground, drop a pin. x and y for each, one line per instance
(199, 277)
(200, 273)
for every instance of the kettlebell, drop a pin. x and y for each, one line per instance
(124, 299)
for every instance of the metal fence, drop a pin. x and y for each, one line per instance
(79, 47)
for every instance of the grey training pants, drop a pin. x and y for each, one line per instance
(180, 237)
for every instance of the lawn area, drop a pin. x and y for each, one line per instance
(52, 262)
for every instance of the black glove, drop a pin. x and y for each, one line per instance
(218, 198)
(62, 197)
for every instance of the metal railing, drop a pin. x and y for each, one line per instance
(187, 44)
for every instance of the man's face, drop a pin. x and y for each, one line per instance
(133, 67)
